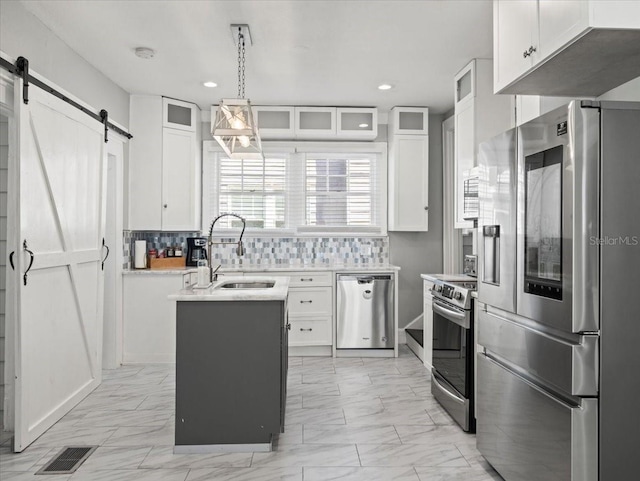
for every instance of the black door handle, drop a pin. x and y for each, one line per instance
(24, 247)
(11, 260)
(105, 257)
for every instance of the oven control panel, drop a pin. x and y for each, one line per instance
(457, 293)
(447, 291)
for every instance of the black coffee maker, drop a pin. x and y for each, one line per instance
(196, 250)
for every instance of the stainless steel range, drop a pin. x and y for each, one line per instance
(453, 348)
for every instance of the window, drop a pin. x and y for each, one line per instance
(339, 191)
(298, 192)
(254, 189)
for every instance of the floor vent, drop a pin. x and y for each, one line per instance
(67, 460)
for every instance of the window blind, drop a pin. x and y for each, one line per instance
(298, 192)
(339, 191)
(254, 189)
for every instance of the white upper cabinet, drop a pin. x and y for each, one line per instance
(409, 183)
(465, 157)
(408, 191)
(409, 121)
(164, 165)
(479, 115)
(275, 122)
(177, 114)
(560, 21)
(465, 84)
(561, 47)
(280, 122)
(315, 122)
(180, 181)
(515, 39)
(357, 123)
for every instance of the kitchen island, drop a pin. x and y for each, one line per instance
(231, 365)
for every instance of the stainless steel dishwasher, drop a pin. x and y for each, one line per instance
(365, 311)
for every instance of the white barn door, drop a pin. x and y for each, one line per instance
(60, 178)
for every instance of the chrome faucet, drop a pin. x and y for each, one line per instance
(239, 250)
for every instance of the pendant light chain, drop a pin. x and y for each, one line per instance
(241, 52)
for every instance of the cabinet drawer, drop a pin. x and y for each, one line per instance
(312, 332)
(309, 279)
(310, 302)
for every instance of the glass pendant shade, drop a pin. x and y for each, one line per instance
(235, 130)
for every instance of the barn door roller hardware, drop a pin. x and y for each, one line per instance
(21, 69)
(22, 66)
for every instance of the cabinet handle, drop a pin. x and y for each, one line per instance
(307, 330)
(165, 206)
(426, 207)
(306, 302)
(527, 53)
(288, 327)
(306, 280)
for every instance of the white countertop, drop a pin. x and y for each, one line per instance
(292, 267)
(447, 277)
(174, 271)
(214, 293)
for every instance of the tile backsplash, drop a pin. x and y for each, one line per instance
(273, 251)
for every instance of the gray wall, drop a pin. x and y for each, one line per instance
(420, 252)
(22, 34)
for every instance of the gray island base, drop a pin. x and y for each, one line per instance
(231, 369)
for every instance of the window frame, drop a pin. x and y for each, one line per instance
(295, 172)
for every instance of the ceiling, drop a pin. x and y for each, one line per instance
(304, 52)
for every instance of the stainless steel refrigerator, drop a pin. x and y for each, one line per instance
(559, 321)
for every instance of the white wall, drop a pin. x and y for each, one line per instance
(627, 91)
(4, 160)
(22, 34)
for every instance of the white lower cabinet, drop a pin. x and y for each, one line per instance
(310, 307)
(149, 331)
(310, 332)
(428, 324)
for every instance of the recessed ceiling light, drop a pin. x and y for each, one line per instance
(210, 84)
(145, 52)
(385, 86)
(363, 126)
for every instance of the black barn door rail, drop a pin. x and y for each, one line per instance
(21, 69)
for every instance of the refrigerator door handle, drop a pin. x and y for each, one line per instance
(538, 386)
(461, 319)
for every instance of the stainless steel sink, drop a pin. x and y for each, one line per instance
(247, 285)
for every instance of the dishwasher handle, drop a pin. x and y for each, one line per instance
(364, 279)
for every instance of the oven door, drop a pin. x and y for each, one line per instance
(452, 340)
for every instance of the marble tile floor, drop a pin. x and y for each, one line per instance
(348, 419)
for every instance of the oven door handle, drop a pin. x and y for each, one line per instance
(456, 317)
(438, 380)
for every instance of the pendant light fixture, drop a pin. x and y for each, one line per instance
(234, 126)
